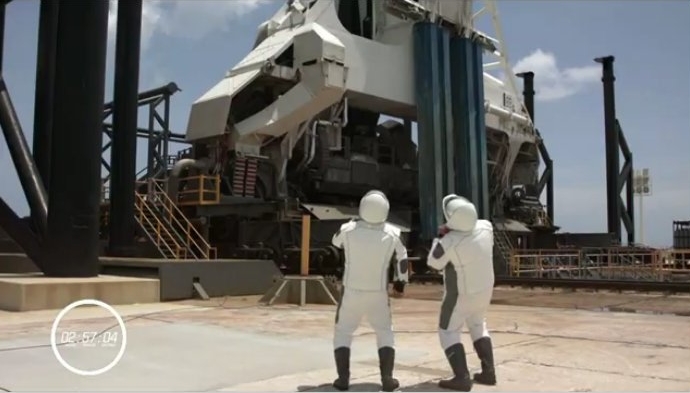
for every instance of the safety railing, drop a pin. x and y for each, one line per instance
(195, 244)
(675, 264)
(157, 231)
(199, 190)
(614, 263)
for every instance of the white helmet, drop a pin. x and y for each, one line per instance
(374, 206)
(461, 215)
(444, 203)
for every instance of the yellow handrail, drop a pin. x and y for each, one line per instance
(610, 262)
(188, 228)
(201, 190)
(157, 227)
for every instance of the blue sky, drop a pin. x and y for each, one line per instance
(194, 43)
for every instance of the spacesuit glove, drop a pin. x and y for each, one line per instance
(399, 287)
(442, 231)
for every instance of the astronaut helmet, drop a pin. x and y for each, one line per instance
(374, 207)
(461, 215)
(444, 203)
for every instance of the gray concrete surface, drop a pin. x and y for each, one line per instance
(234, 345)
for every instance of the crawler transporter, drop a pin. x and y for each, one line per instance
(321, 111)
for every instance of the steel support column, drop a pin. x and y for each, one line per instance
(123, 155)
(72, 243)
(26, 168)
(625, 180)
(467, 88)
(23, 161)
(547, 178)
(615, 179)
(45, 85)
(157, 139)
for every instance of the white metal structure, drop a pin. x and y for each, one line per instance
(642, 187)
(334, 65)
(307, 67)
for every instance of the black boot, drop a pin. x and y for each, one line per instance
(458, 363)
(386, 363)
(486, 356)
(342, 365)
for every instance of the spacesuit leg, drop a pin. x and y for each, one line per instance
(347, 319)
(451, 319)
(348, 316)
(380, 318)
(476, 323)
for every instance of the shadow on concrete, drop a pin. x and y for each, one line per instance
(354, 387)
(427, 386)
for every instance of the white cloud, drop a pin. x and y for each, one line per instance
(552, 83)
(187, 19)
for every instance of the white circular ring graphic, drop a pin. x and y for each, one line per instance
(61, 315)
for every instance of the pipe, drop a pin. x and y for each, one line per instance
(312, 145)
(303, 161)
(346, 116)
(169, 89)
(21, 156)
(614, 208)
(123, 152)
(144, 133)
(312, 134)
(528, 92)
(174, 177)
(505, 114)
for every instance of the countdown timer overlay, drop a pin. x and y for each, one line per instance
(89, 343)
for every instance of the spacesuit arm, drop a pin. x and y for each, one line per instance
(438, 256)
(339, 237)
(402, 264)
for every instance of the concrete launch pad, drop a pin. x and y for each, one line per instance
(235, 345)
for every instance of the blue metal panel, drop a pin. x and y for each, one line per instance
(469, 131)
(446, 132)
(482, 202)
(464, 118)
(430, 96)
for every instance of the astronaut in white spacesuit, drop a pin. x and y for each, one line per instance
(464, 252)
(369, 243)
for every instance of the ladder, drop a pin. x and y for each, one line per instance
(167, 227)
(504, 248)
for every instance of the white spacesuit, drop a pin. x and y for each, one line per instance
(369, 244)
(464, 252)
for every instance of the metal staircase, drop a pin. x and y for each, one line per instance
(504, 247)
(167, 227)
